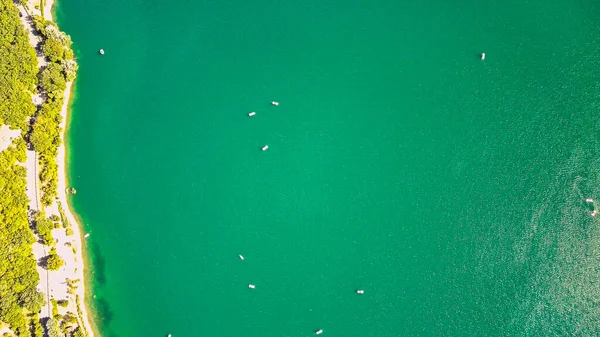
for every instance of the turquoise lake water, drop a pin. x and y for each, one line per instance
(451, 189)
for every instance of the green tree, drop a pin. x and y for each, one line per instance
(52, 327)
(18, 79)
(53, 50)
(78, 333)
(53, 81)
(43, 227)
(53, 261)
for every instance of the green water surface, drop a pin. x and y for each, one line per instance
(451, 189)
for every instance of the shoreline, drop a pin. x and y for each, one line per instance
(62, 166)
(61, 160)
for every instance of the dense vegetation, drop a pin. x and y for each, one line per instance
(18, 294)
(20, 302)
(18, 69)
(19, 299)
(45, 136)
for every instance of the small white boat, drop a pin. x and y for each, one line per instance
(241, 257)
(169, 335)
(86, 236)
(589, 200)
(318, 332)
(275, 103)
(252, 114)
(265, 148)
(360, 291)
(482, 56)
(101, 51)
(594, 213)
(251, 286)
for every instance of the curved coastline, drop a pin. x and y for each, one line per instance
(62, 164)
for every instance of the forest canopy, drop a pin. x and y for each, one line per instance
(19, 298)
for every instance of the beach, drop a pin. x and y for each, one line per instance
(62, 196)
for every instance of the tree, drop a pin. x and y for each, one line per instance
(53, 50)
(52, 327)
(52, 80)
(78, 332)
(53, 261)
(44, 226)
(18, 79)
(70, 68)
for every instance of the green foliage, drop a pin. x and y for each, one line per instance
(36, 328)
(53, 50)
(64, 219)
(70, 68)
(45, 139)
(80, 314)
(70, 318)
(53, 261)
(18, 69)
(19, 78)
(52, 327)
(54, 307)
(63, 303)
(20, 149)
(18, 274)
(78, 333)
(43, 227)
(45, 136)
(49, 179)
(52, 80)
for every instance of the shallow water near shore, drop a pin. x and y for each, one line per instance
(451, 189)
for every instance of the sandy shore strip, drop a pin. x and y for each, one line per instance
(62, 197)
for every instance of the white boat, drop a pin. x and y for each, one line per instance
(589, 200)
(275, 103)
(252, 114)
(86, 236)
(360, 291)
(594, 213)
(169, 335)
(241, 257)
(251, 286)
(265, 148)
(318, 332)
(483, 56)
(101, 51)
